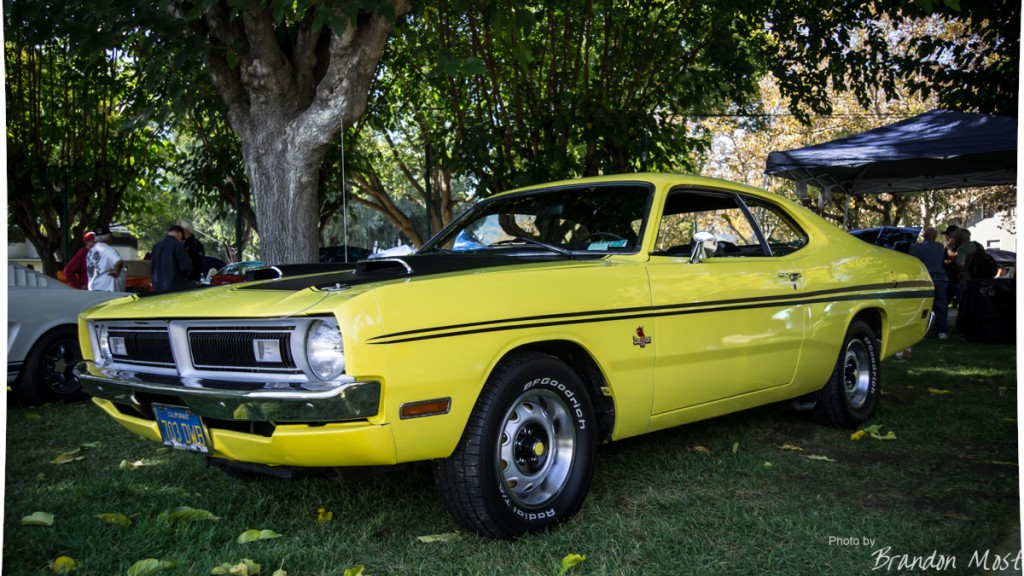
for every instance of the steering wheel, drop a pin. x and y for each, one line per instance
(595, 236)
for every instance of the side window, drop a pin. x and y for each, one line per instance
(689, 211)
(779, 230)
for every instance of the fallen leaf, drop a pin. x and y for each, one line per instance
(355, 570)
(33, 416)
(245, 567)
(73, 456)
(279, 572)
(187, 513)
(254, 535)
(1002, 390)
(793, 447)
(890, 435)
(858, 435)
(937, 391)
(38, 519)
(323, 516)
(118, 519)
(63, 565)
(569, 561)
(149, 566)
(126, 465)
(446, 537)
(91, 445)
(819, 458)
(735, 447)
(701, 449)
(768, 464)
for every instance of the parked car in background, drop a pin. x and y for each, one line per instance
(898, 238)
(539, 324)
(234, 272)
(42, 335)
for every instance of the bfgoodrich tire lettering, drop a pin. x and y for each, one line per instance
(852, 391)
(526, 457)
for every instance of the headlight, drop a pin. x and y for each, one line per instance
(324, 350)
(103, 340)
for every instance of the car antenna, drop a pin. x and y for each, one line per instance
(344, 196)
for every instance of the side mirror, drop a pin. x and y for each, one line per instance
(704, 246)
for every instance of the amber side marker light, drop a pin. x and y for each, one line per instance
(425, 408)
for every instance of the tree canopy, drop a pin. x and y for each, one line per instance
(480, 95)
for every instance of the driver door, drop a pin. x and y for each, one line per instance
(733, 323)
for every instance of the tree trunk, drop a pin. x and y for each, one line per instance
(288, 93)
(284, 183)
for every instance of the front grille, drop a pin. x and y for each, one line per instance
(233, 349)
(145, 346)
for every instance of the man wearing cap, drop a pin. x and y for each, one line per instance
(171, 264)
(103, 263)
(75, 272)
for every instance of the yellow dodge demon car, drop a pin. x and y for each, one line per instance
(539, 324)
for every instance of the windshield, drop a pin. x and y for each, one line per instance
(592, 219)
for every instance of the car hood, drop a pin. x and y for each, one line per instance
(404, 268)
(316, 293)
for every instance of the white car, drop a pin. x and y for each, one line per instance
(42, 334)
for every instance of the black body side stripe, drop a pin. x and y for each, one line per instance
(822, 296)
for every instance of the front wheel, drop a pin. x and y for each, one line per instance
(851, 394)
(526, 457)
(48, 374)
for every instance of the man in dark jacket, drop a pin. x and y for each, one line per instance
(195, 250)
(171, 264)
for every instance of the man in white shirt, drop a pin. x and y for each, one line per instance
(103, 263)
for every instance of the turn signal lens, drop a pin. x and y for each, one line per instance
(425, 408)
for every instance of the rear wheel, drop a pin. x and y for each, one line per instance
(47, 375)
(851, 394)
(526, 458)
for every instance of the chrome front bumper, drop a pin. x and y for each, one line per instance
(228, 400)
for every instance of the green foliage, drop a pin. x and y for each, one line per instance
(70, 145)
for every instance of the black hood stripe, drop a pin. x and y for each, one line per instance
(881, 291)
(420, 265)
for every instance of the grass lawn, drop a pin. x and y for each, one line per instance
(761, 492)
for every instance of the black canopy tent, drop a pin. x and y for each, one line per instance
(936, 150)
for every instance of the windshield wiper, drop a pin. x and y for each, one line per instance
(545, 245)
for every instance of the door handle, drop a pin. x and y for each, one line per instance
(791, 276)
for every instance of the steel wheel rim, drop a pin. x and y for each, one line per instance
(857, 373)
(535, 448)
(58, 363)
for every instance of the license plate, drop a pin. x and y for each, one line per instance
(180, 428)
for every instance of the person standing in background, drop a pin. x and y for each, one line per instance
(932, 254)
(195, 251)
(171, 264)
(103, 263)
(76, 272)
